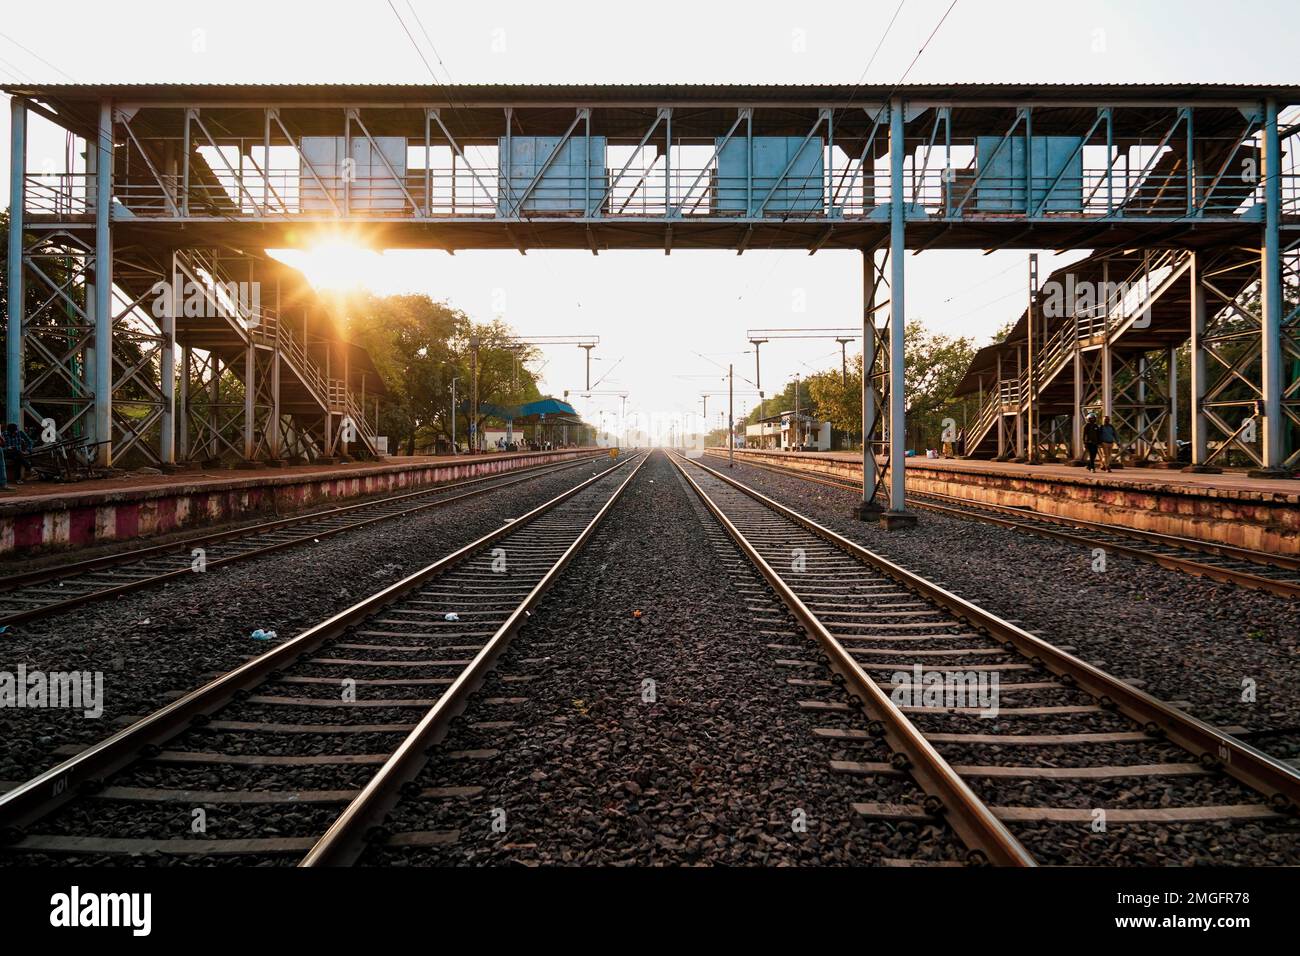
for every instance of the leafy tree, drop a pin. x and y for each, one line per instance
(933, 364)
(419, 345)
(839, 399)
(1005, 330)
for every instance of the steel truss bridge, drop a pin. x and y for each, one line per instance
(165, 177)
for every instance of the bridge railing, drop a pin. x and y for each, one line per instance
(686, 191)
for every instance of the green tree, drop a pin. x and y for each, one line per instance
(839, 398)
(419, 345)
(933, 365)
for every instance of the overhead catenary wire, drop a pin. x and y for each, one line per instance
(916, 58)
(36, 56)
(410, 36)
(427, 39)
(446, 87)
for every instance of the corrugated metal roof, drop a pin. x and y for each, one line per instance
(660, 92)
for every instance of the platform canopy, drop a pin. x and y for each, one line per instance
(540, 410)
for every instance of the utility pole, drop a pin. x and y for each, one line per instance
(588, 349)
(844, 362)
(731, 416)
(454, 380)
(798, 441)
(473, 415)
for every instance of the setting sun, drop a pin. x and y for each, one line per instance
(339, 264)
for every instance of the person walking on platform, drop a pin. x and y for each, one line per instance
(1091, 440)
(1108, 440)
(17, 450)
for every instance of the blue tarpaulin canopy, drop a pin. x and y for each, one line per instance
(545, 406)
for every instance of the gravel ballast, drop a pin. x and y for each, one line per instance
(1000, 573)
(1187, 638)
(175, 636)
(715, 769)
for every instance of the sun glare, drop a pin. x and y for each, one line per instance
(338, 264)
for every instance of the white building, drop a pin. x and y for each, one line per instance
(779, 432)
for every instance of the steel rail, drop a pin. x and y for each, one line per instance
(1277, 781)
(1006, 517)
(968, 815)
(1009, 517)
(53, 788)
(349, 835)
(90, 565)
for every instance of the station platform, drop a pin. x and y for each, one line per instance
(1229, 508)
(53, 516)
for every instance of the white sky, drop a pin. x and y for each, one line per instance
(656, 312)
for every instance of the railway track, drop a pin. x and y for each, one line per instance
(321, 735)
(892, 638)
(1275, 573)
(46, 591)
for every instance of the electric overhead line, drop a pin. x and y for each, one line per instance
(427, 39)
(980, 308)
(37, 56)
(922, 49)
(446, 87)
(874, 53)
(847, 105)
(410, 36)
(983, 282)
(607, 372)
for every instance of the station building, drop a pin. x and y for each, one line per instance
(780, 433)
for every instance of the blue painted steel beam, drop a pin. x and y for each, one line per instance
(104, 286)
(14, 342)
(1271, 319)
(897, 315)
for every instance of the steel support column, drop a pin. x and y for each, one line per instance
(1031, 333)
(14, 342)
(183, 439)
(167, 368)
(1171, 442)
(1020, 405)
(870, 400)
(250, 400)
(1001, 413)
(1271, 318)
(1076, 417)
(1196, 387)
(274, 437)
(1107, 380)
(897, 514)
(104, 286)
(214, 407)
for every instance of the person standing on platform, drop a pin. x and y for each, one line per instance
(1091, 440)
(1108, 440)
(17, 450)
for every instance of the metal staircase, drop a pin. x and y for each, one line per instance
(219, 319)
